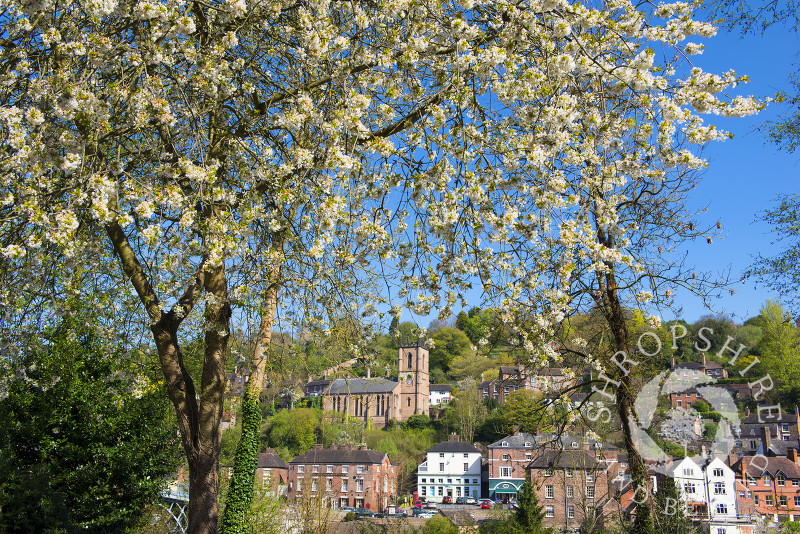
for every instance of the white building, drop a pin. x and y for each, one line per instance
(439, 394)
(451, 469)
(708, 491)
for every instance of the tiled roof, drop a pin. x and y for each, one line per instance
(688, 365)
(358, 386)
(339, 456)
(453, 446)
(270, 460)
(575, 459)
(768, 418)
(516, 442)
(318, 383)
(774, 464)
(440, 387)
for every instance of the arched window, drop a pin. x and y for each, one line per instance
(408, 400)
(409, 360)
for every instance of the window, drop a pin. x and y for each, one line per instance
(301, 469)
(589, 477)
(315, 469)
(441, 455)
(568, 472)
(344, 484)
(505, 457)
(423, 493)
(458, 491)
(680, 404)
(722, 508)
(548, 492)
(466, 455)
(768, 500)
(360, 485)
(548, 472)
(441, 491)
(360, 469)
(767, 479)
(781, 479)
(344, 469)
(466, 466)
(571, 512)
(549, 511)
(590, 492)
(505, 472)
(782, 500)
(755, 499)
(751, 480)
(689, 488)
(504, 444)
(796, 482)
(718, 472)
(574, 444)
(753, 444)
(719, 488)
(742, 495)
(720, 530)
(408, 402)
(329, 469)
(441, 466)
(466, 491)
(527, 443)
(797, 500)
(313, 484)
(528, 456)
(329, 485)
(570, 492)
(300, 484)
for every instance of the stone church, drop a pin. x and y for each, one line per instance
(377, 400)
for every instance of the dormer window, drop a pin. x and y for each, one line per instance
(504, 444)
(527, 443)
(574, 444)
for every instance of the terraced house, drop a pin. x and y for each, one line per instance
(451, 469)
(345, 476)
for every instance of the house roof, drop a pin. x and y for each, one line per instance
(358, 386)
(516, 442)
(688, 365)
(339, 456)
(270, 460)
(440, 387)
(712, 365)
(774, 465)
(769, 418)
(454, 446)
(575, 459)
(324, 382)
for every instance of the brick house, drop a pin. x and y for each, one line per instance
(769, 486)
(272, 472)
(440, 394)
(508, 461)
(694, 371)
(548, 381)
(575, 487)
(360, 478)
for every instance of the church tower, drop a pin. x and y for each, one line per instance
(413, 378)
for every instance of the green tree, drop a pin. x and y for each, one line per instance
(670, 516)
(524, 408)
(449, 343)
(529, 515)
(82, 450)
(293, 429)
(467, 409)
(470, 365)
(779, 348)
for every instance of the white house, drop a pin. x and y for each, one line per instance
(451, 469)
(708, 490)
(439, 394)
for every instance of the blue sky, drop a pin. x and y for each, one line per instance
(744, 174)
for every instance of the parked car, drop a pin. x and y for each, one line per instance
(485, 503)
(470, 500)
(460, 500)
(430, 505)
(447, 499)
(365, 512)
(424, 514)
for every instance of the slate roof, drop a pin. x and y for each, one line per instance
(324, 382)
(575, 459)
(440, 387)
(516, 442)
(270, 460)
(339, 456)
(712, 365)
(454, 446)
(774, 465)
(769, 418)
(358, 386)
(688, 365)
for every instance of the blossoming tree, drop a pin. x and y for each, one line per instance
(191, 161)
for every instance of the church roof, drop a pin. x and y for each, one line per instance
(359, 386)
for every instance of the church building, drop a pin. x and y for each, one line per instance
(377, 400)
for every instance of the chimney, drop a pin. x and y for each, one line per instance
(673, 362)
(318, 446)
(766, 438)
(453, 437)
(516, 430)
(369, 372)
(704, 361)
(747, 411)
(793, 456)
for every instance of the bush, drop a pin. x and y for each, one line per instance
(417, 422)
(438, 524)
(350, 516)
(701, 406)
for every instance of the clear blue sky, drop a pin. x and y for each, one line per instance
(744, 174)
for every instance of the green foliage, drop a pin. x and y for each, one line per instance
(780, 347)
(701, 406)
(350, 516)
(295, 430)
(86, 443)
(710, 431)
(240, 491)
(438, 524)
(670, 515)
(416, 421)
(470, 365)
(523, 408)
(529, 514)
(449, 343)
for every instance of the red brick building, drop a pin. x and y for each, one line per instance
(272, 472)
(360, 478)
(575, 488)
(769, 486)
